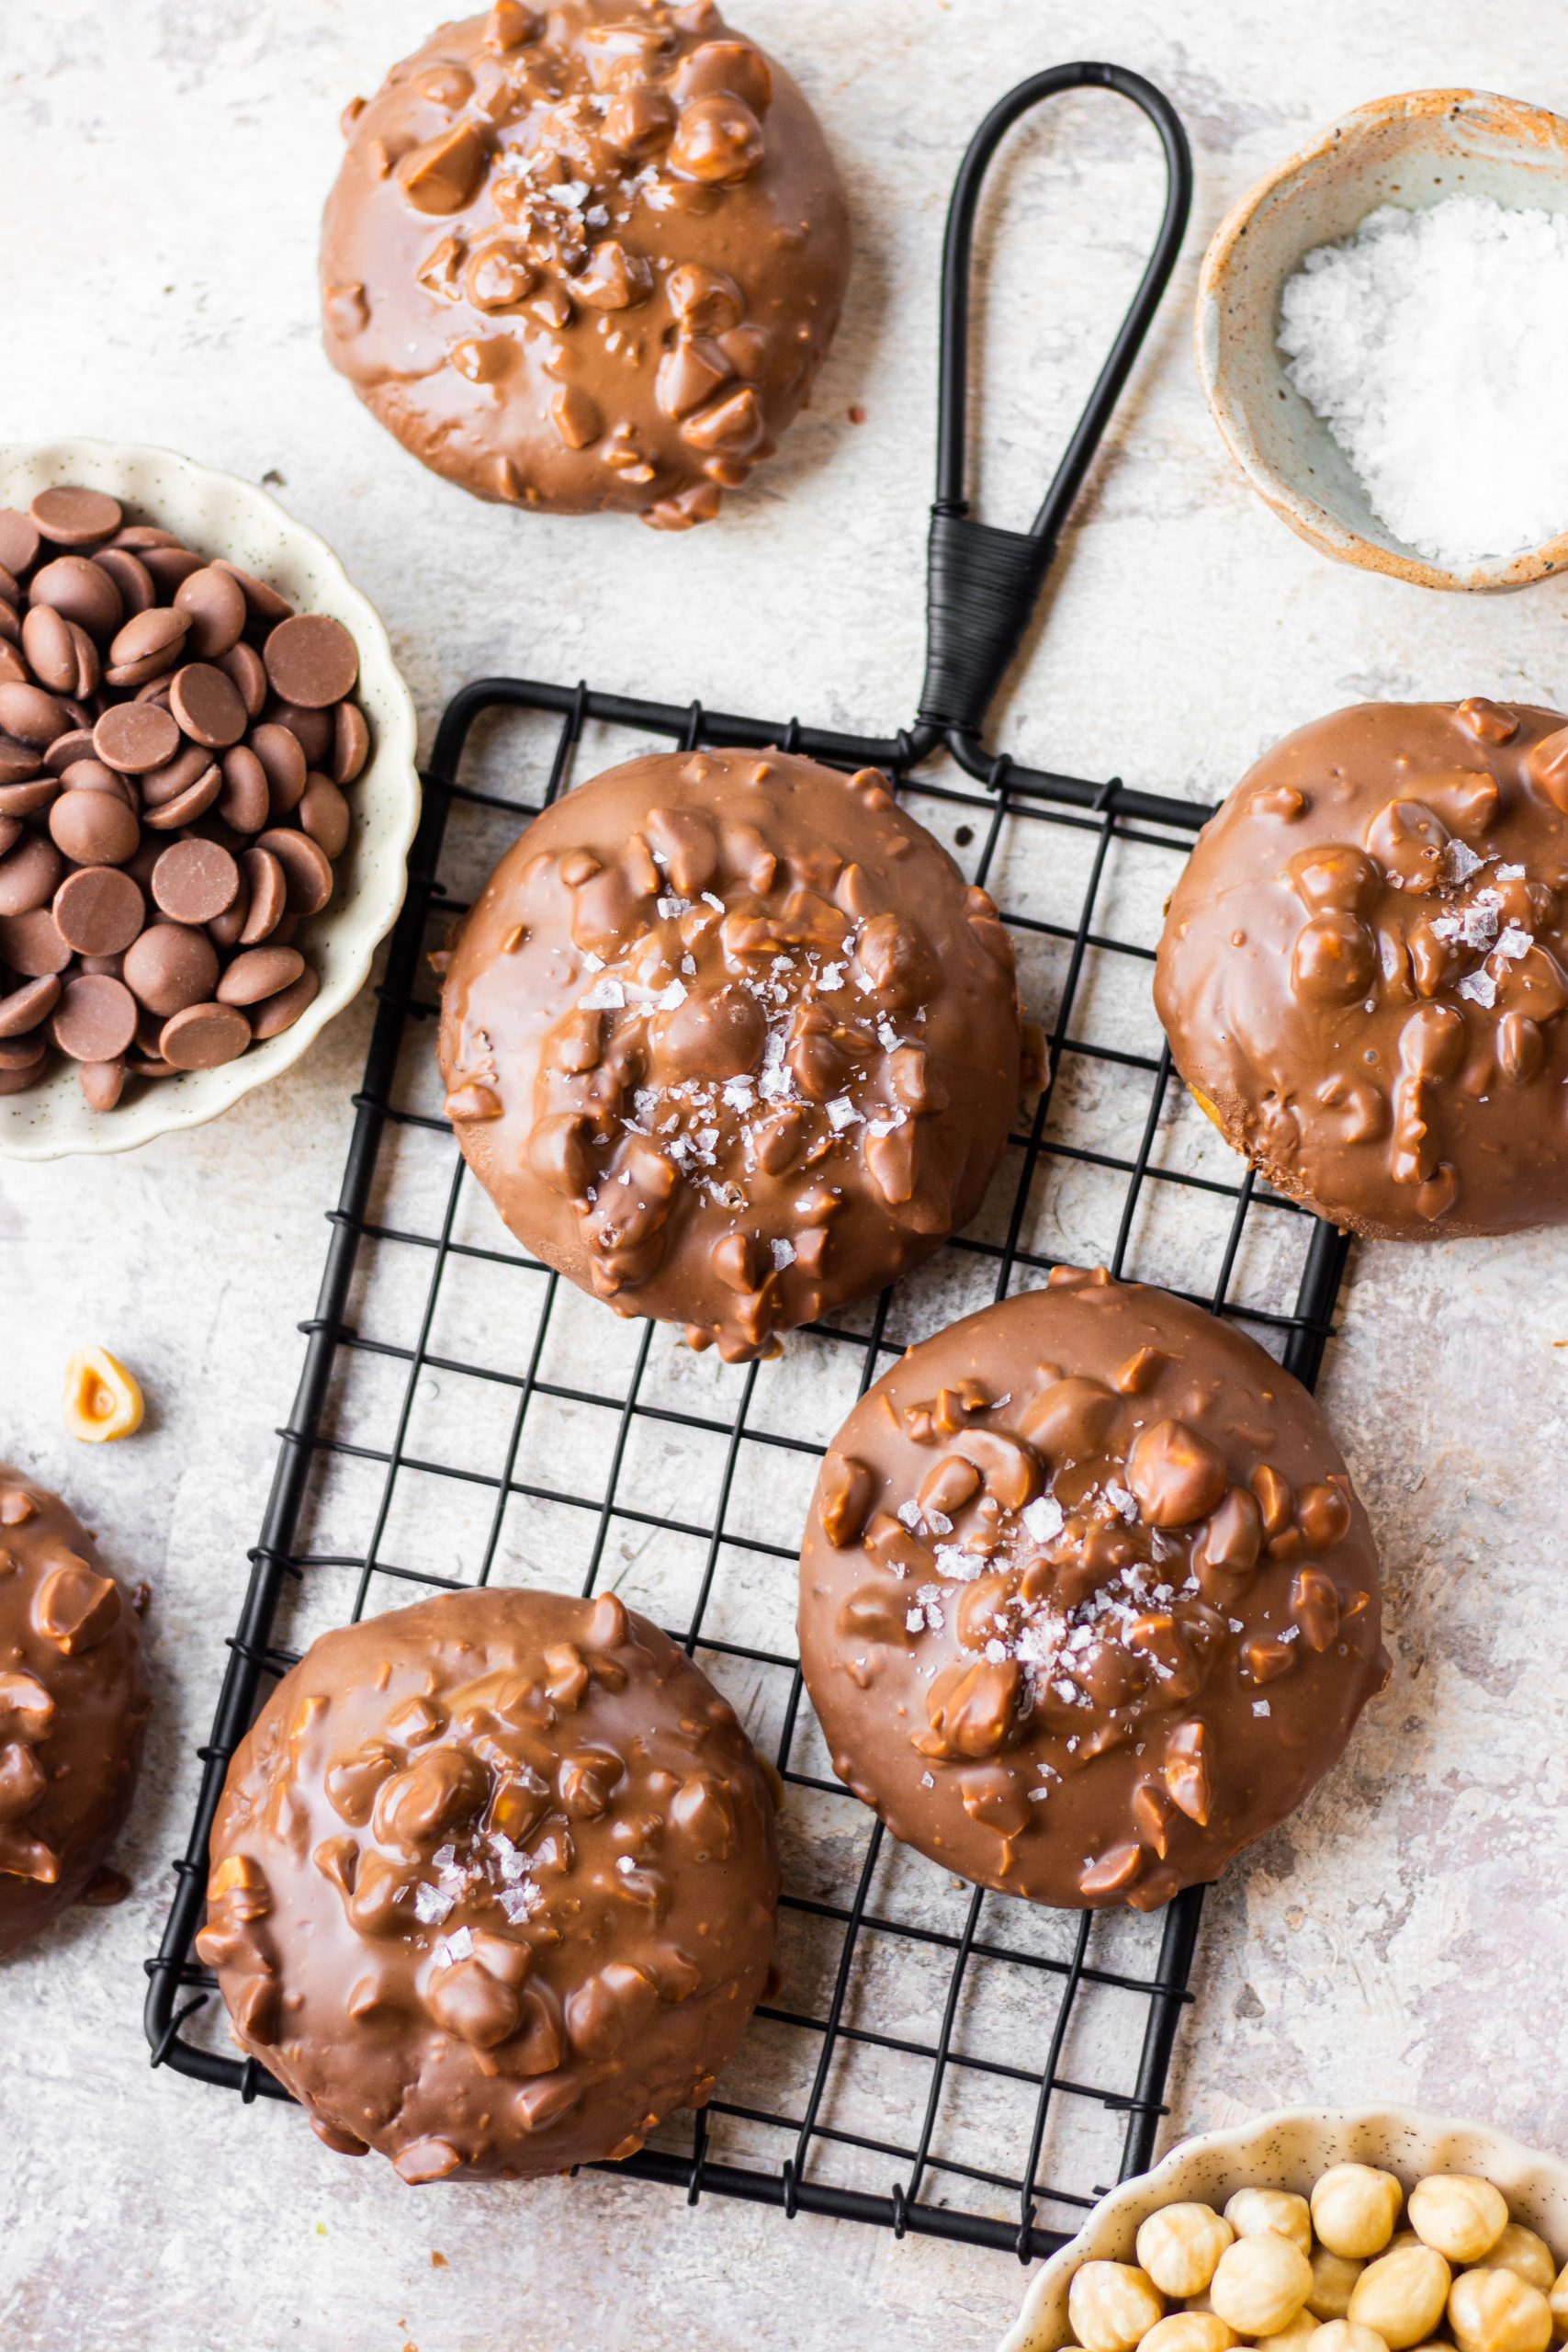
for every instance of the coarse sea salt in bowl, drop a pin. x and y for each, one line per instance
(1414, 152)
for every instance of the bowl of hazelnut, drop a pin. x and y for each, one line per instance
(1344, 2231)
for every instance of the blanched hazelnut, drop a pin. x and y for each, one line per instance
(1354, 2208)
(1260, 2283)
(1188, 2331)
(1179, 2245)
(1279, 2211)
(1296, 2334)
(1344, 2335)
(1402, 2295)
(1495, 2311)
(103, 1400)
(1333, 2277)
(1559, 2302)
(1112, 2306)
(1459, 2215)
(1527, 2255)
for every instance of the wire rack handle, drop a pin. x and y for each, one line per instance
(982, 582)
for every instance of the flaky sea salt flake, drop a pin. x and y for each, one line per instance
(1043, 1518)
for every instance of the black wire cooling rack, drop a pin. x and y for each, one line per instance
(936, 2058)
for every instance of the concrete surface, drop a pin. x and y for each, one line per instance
(161, 171)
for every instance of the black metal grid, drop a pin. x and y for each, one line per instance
(936, 2058)
(797, 2141)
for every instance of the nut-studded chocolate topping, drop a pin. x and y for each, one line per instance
(588, 255)
(493, 1884)
(730, 1042)
(1364, 971)
(72, 1705)
(1087, 1601)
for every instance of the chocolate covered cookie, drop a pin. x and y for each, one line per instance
(1086, 1601)
(1364, 968)
(729, 1041)
(72, 1706)
(586, 256)
(493, 1884)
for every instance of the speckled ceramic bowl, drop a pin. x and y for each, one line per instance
(1289, 2149)
(1412, 151)
(220, 515)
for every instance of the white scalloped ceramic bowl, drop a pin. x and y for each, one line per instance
(1289, 2149)
(221, 516)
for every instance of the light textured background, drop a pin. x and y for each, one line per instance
(161, 171)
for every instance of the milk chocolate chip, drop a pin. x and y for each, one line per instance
(95, 1018)
(132, 737)
(311, 660)
(71, 517)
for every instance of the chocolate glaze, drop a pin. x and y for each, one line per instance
(493, 1884)
(72, 1707)
(729, 1041)
(1364, 970)
(1087, 1601)
(587, 256)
